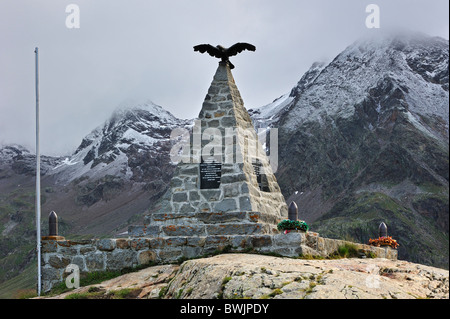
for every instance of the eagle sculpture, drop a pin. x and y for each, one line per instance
(224, 53)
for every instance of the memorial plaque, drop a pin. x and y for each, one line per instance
(261, 177)
(257, 169)
(210, 174)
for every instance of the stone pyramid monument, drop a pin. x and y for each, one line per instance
(224, 184)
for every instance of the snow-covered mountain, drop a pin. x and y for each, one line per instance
(365, 139)
(133, 143)
(414, 64)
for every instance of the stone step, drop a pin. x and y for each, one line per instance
(218, 229)
(202, 218)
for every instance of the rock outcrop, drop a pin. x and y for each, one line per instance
(231, 276)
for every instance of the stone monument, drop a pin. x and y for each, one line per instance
(223, 194)
(224, 184)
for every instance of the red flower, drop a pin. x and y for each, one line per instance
(384, 241)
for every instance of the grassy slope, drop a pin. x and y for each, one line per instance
(358, 217)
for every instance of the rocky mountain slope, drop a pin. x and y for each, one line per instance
(365, 139)
(239, 276)
(362, 139)
(117, 174)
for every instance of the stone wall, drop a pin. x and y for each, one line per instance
(120, 253)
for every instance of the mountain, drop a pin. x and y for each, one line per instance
(119, 170)
(362, 139)
(365, 139)
(113, 178)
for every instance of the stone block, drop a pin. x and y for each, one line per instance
(176, 241)
(82, 242)
(65, 243)
(176, 182)
(95, 261)
(186, 208)
(208, 106)
(170, 254)
(159, 217)
(233, 178)
(192, 251)
(283, 251)
(217, 241)
(196, 241)
(146, 257)
(291, 239)
(194, 196)
(189, 169)
(261, 241)
(184, 230)
(58, 261)
(139, 243)
(226, 205)
(311, 239)
(69, 251)
(228, 121)
(233, 229)
(213, 90)
(232, 190)
(122, 243)
(166, 207)
(245, 204)
(51, 274)
(179, 197)
(157, 243)
(253, 217)
(214, 243)
(87, 249)
(304, 250)
(106, 244)
(220, 217)
(204, 207)
(120, 259)
(211, 195)
(213, 123)
(49, 246)
(240, 241)
(79, 261)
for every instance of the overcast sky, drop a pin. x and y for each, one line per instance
(131, 50)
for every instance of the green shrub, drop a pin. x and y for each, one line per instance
(288, 224)
(347, 250)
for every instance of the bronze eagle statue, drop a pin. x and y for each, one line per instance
(224, 53)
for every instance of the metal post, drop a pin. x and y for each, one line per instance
(53, 224)
(38, 179)
(293, 211)
(382, 230)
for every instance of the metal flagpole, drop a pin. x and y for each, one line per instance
(38, 179)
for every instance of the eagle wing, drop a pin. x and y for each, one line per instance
(239, 47)
(212, 51)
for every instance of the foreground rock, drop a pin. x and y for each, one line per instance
(257, 277)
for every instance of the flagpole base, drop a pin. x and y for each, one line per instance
(57, 238)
